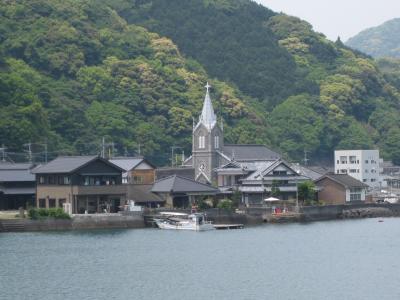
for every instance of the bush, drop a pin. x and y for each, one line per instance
(225, 204)
(43, 213)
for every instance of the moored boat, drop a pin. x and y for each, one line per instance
(196, 222)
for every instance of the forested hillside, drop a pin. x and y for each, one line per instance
(133, 71)
(74, 71)
(380, 41)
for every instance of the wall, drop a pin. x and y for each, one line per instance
(53, 192)
(331, 192)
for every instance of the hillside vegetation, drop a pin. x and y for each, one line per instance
(380, 41)
(74, 71)
(133, 71)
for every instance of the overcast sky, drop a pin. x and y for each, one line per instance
(344, 18)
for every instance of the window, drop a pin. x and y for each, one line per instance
(61, 202)
(365, 180)
(284, 173)
(366, 161)
(52, 180)
(41, 180)
(338, 162)
(353, 170)
(343, 159)
(353, 159)
(373, 180)
(138, 179)
(42, 203)
(202, 142)
(343, 171)
(216, 142)
(66, 180)
(52, 203)
(355, 194)
(366, 171)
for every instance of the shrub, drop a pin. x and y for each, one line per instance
(43, 213)
(225, 204)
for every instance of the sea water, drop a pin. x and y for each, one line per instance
(324, 260)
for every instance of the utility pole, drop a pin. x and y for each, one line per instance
(173, 148)
(305, 158)
(45, 151)
(112, 150)
(103, 148)
(3, 151)
(139, 149)
(29, 145)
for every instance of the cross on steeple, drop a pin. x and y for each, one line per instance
(207, 87)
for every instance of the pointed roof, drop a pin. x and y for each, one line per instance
(208, 117)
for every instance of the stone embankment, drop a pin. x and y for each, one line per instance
(370, 212)
(77, 222)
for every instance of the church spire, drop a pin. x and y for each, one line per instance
(208, 117)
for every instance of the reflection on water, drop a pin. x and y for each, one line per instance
(326, 260)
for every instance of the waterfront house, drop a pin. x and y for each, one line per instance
(336, 189)
(17, 185)
(88, 184)
(257, 180)
(181, 192)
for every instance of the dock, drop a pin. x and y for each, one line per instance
(228, 226)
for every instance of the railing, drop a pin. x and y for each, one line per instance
(118, 189)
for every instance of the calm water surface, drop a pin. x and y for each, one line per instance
(326, 260)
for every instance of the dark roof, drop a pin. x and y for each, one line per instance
(141, 193)
(18, 191)
(344, 180)
(177, 184)
(69, 164)
(182, 172)
(16, 176)
(17, 166)
(250, 152)
(129, 163)
(313, 174)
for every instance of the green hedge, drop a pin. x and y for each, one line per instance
(43, 213)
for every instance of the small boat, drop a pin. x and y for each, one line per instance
(196, 222)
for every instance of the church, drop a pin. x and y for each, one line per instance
(252, 170)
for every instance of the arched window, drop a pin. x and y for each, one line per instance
(216, 142)
(202, 142)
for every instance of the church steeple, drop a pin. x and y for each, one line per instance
(208, 117)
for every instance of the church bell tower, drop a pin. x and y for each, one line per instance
(208, 140)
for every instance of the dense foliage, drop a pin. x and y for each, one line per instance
(44, 213)
(380, 41)
(74, 71)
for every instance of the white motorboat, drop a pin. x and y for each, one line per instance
(196, 221)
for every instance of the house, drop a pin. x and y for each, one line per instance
(86, 183)
(363, 165)
(138, 176)
(17, 185)
(257, 180)
(340, 189)
(138, 170)
(181, 192)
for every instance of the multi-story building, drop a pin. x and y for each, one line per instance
(363, 165)
(87, 184)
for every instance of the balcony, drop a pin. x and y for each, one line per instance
(117, 189)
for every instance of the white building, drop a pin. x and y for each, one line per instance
(363, 165)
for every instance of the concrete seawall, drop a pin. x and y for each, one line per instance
(76, 223)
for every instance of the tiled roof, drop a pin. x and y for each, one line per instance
(68, 164)
(177, 184)
(182, 172)
(127, 163)
(250, 152)
(142, 193)
(345, 180)
(17, 166)
(16, 175)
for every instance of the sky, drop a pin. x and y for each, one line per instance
(344, 18)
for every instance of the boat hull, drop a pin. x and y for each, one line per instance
(163, 224)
